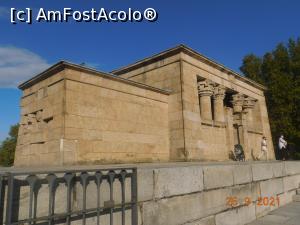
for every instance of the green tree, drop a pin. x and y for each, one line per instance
(252, 68)
(8, 147)
(279, 71)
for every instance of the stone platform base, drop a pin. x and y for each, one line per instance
(194, 193)
(214, 193)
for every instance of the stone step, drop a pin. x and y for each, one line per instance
(296, 198)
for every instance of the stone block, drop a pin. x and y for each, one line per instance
(262, 171)
(261, 210)
(278, 169)
(145, 178)
(186, 208)
(242, 174)
(292, 167)
(286, 198)
(250, 191)
(217, 176)
(205, 221)
(239, 216)
(271, 188)
(291, 182)
(177, 181)
(188, 115)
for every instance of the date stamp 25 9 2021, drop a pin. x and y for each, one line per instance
(233, 201)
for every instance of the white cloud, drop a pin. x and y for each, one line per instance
(18, 65)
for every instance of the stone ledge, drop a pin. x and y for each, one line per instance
(262, 171)
(292, 167)
(177, 181)
(291, 182)
(242, 174)
(144, 165)
(218, 176)
(278, 169)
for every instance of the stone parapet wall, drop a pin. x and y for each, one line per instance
(195, 193)
(187, 193)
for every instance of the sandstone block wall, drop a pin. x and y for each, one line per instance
(76, 117)
(110, 122)
(191, 136)
(41, 123)
(166, 74)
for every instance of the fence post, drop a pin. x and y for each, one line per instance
(2, 195)
(9, 203)
(134, 200)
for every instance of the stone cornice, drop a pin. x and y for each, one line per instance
(192, 53)
(60, 66)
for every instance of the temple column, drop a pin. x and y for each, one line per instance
(243, 109)
(218, 98)
(237, 102)
(205, 90)
(244, 133)
(248, 106)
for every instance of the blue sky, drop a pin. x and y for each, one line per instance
(222, 30)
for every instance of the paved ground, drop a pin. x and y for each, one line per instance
(286, 215)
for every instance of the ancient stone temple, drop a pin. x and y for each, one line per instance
(177, 105)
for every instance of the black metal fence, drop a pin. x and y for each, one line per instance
(22, 189)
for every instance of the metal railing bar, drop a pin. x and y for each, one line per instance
(51, 178)
(84, 182)
(79, 213)
(98, 181)
(134, 192)
(20, 173)
(13, 181)
(3, 182)
(60, 179)
(111, 176)
(9, 203)
(122, 180)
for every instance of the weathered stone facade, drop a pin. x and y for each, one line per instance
(177, 105)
